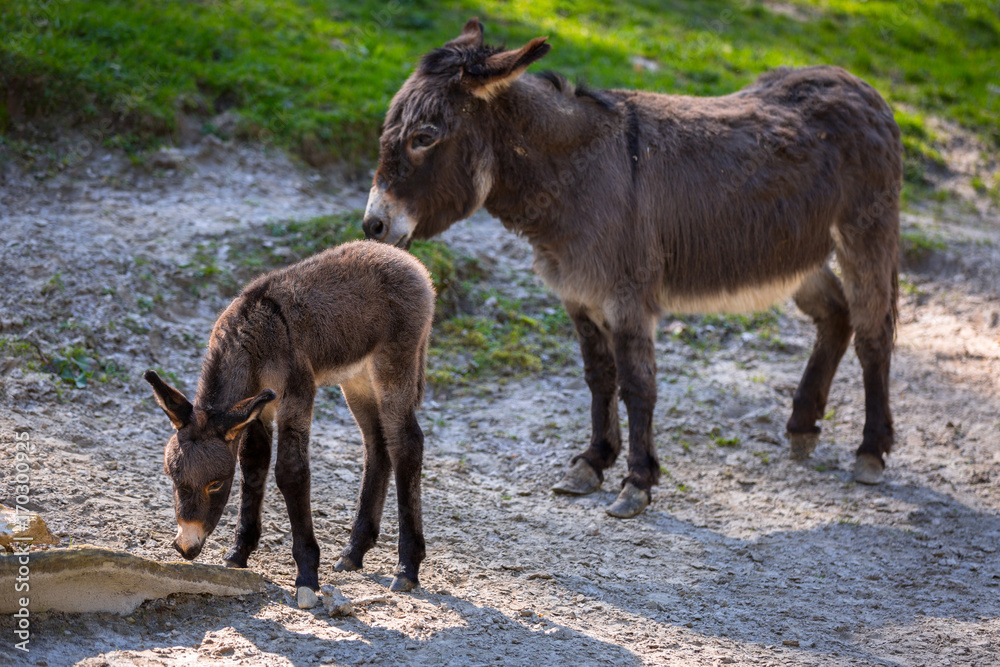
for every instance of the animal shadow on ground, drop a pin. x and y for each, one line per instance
(206, 628)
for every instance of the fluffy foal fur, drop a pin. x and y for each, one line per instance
(638, 203)
(358, 315)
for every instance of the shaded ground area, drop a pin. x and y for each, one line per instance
(745, 557)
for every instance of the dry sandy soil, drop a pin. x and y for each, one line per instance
(744, 557)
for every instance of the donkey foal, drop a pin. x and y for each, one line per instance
(358, 315)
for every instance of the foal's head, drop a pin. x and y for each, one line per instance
(435, 156)
(200, 458)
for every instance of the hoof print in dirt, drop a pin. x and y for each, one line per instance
(802, 445)
(579, 481)
(630, 502)
(306, 598)
(868, 469)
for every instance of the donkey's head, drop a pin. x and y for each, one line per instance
(435, 160)
(200, 459)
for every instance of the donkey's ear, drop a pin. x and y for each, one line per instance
(240, 415)
(173, 402)
(471, 37)
(488, 78)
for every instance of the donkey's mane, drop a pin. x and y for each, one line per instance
(580, 89)
(447, 59)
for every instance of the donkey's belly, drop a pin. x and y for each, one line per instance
(749, 299)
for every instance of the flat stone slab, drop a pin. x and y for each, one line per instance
(92, 579)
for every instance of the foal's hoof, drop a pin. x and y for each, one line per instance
(402, 584)
(233, 564)
(345, 564)
(306, 597)
(803, 444)
(868, 469)
(630, 502)
(579, 481)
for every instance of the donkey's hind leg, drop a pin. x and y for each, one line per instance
(868, 252)
(586, 473)
(375, 478)
(822, 298)
(255, 459)
(399, 387)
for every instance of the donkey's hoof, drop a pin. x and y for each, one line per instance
(630, 502)
(579, 481)
(868, 469)
(306, 597)
(402, 584)
(233, 564)
(802, 444)
(345, 564)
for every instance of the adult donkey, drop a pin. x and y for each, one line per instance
(637, 203)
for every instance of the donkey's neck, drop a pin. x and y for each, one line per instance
(226, 372)
(544, 139)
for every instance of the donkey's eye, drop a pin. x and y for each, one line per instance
(214, 486)
(422, 140)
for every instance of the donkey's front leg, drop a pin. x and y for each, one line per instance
(291, 472)
(587, 469)
(255, 459)
(635, 358)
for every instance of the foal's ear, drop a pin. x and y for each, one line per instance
(173, 402)
(488, 78)
(471, 37)
(240, 415)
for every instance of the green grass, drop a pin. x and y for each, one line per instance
(917, 244)
(510, 339)
(317, 76)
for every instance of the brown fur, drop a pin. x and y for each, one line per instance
(358, 315)
(638, 203)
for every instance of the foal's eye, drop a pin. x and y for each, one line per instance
(214, 486)
(422, 140)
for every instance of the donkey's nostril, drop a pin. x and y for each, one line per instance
(375, 228)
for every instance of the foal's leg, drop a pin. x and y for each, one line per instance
(868, 252)
(405, 442)
(398, 383)
(636, 362)
(291, 472)
(587, 471)
(821, 297)
(375, 479)
(255, 459)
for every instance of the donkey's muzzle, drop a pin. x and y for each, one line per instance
(375, 228)
(190, 538)
(189, 551)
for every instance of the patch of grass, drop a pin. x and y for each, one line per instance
(917, 244)
(733, 441)
(317, 75)
(508, 342)
(708, 332)
(77, 365)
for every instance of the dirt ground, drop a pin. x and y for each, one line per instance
(744, 557)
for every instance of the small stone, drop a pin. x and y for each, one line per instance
(526, 612)
(790, 642)
(306, 598)
(335, 602)
(23, 525)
